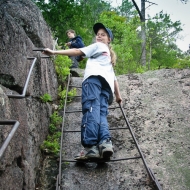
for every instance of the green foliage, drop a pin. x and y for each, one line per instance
(51, 145)
(183, 63)
(46, 98)
(125, 39)
(141, 69)
(62, 64)
(81, 15)
(161, 37)
(55, 118)
(126, 9)
(62, 95)
(52, 128)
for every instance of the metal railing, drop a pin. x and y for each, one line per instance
(141, 156)
(23, 95)
(11, 122)
(10, 135)
(58, 182)
(19, 96)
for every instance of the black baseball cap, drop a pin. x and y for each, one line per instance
(98, 26)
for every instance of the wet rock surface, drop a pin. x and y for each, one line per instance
(157, 105)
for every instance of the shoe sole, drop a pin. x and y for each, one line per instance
(80, 158)
(107, 154)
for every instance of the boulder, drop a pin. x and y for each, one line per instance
(23, 29)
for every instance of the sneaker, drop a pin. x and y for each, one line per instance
(106, 149)
(88, 153)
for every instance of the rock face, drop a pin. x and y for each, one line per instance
(22, 29)
(157, 105)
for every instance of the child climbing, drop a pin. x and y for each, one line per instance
(98, 86)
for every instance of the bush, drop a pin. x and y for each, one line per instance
(46, 98)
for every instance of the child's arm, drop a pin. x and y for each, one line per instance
(68, 52)
(117, 92)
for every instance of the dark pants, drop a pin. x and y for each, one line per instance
(94, 127)
(75, 63)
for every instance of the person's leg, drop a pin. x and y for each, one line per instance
(104, 128)
(91, 113)
(105, 144)
(75, 63)
(91, 119)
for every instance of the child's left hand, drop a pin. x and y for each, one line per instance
(68, 44)
(118, 99)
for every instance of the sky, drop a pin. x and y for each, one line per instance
(178, 12)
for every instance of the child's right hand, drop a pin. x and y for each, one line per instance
(48, 51)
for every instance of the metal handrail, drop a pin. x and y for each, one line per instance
(58, 183)
(55, 43)
(10, 135)
(23, 95)
(42, 49)
(149, 171)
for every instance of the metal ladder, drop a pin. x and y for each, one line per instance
(141, 156)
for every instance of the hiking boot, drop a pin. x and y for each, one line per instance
(88, 153)
(106, 149)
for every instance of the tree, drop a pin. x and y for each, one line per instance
(79, 15)
(161, 37)
(143, 26)
(125, 38)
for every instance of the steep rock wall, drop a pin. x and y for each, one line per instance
(157, 105)
(22, 28)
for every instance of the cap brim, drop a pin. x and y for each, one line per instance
(98, 26)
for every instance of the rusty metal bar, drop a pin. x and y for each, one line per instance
(75, 86)
(81, 110)
(55, 43)
(151, 175)
(111, 129)
(23, 95)
(101, 160)
(62, 130)
(149, 171)
(42, 49)
(10, 135)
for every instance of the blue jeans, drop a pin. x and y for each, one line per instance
(94, 127)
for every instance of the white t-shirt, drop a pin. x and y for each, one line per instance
(100, 65)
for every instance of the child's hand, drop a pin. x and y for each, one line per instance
(118, 99)
(48, 51)
(68, 44)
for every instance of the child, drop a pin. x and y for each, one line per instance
(98, 85)
(74, 42)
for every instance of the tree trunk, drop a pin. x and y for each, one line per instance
(143, 31)
(143, 34)
(150, 55)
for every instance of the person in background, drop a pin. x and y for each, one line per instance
(98, 86)
(74, 42)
